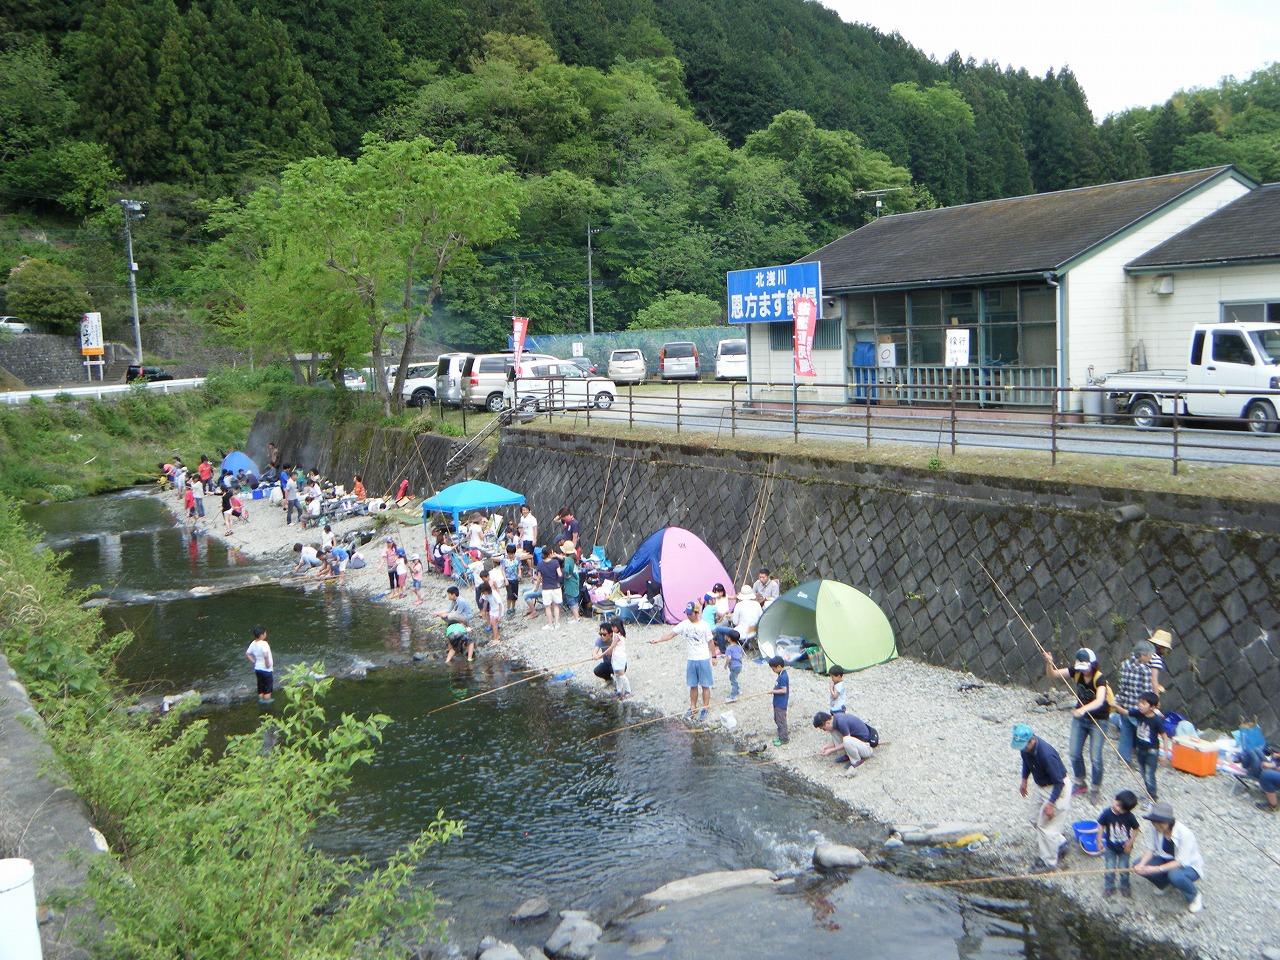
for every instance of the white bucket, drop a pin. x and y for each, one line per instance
(21, 935)
(728, 720)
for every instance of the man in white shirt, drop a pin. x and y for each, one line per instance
(1172, 857)
(701, 648)
(766, 588)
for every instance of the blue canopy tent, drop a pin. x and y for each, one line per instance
(466, 496)
(235, 460)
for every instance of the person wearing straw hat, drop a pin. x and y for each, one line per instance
(1172, 857)
(1162, 640)
(1043, 766)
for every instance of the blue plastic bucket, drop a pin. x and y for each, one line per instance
(1089, 835)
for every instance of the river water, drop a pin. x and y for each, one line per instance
(588, 825)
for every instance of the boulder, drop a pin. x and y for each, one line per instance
(532, 909)
(575, 938)
(533, 953)
(704, 883)
(837, 856)
(494, 949)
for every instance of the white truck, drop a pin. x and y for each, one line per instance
(1233, 372)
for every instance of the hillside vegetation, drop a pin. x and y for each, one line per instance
(684, 138)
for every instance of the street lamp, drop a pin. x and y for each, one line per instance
(133, 211)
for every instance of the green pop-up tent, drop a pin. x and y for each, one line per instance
(846, 624)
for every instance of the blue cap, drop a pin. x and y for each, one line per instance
(690, 607)
(1022, 735)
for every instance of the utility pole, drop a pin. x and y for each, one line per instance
(133, 211)
(591, 298)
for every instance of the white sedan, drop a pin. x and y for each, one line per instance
(560, 385)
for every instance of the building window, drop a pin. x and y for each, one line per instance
(1259, 312)
(825, 337)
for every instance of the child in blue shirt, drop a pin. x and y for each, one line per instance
(781, 691)
(1118, 829)
(836, 676)
(733, 660)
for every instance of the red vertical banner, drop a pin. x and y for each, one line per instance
(806, 314)
(519, 327)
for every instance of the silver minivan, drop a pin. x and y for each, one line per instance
(485, 375)
(626, 366)
(679, 361)
(731, 360)
(449, 378)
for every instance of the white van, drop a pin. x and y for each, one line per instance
(731, 360)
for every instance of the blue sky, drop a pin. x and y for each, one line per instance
(1125, 53)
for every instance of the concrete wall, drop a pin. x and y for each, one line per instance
(48, 360)
(382, 456)
(1206, 570)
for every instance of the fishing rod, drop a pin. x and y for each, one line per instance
(506, 686)
(1023, 876)
(667, 716)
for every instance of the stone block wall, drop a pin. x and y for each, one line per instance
(48, 360)
(381, 455)
(918, 543)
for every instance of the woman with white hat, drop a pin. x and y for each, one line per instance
(1163, 642)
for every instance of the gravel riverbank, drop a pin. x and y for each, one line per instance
(947, 756)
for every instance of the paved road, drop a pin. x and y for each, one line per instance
(707, 409)
(100, 391)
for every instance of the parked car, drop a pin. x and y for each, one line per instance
(679, 361)
(585, 364)
(419, 382)
(353, 379)
(14, 325)
(731, 360)
(627, 366)
(134, 373)
(484, 378)
(1225, 363)
(559, 385)
(448, 385)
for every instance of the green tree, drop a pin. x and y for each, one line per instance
(935, 120)
(47, 293)
(674, 310)
(35, 109)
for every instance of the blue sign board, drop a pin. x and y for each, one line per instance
(767, 294)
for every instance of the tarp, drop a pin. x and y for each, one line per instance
(235, 460)
(680, 563)
(468, 495)
(848, 626)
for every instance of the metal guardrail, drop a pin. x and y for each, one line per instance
(101, 391)
(1004, 419)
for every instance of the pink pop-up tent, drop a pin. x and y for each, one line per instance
(680, 563)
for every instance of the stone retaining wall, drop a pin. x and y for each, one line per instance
(917, 542)
(48, 360)
(382, 456)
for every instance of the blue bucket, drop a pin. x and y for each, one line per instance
(1089, 835)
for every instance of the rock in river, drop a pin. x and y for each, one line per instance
(575, 938)
(532, 909)
(837, 856)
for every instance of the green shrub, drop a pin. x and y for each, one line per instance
(63, 397)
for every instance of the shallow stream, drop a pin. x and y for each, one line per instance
(587, 825)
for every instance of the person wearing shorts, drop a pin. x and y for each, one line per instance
(552, 574)
(700, 649)
(259, 654)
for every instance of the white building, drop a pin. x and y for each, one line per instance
(1049, 286)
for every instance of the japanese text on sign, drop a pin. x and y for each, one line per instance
(91, 335)
(958, 347)
(769, 294)
(806, 324)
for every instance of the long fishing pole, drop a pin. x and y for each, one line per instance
(668, 716)
(1133, 772)
(1022, 876)
(506, 686)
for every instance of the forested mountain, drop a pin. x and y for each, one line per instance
(689, 136)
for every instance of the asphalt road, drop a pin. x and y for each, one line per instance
(706, 408)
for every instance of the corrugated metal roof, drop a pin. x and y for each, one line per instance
(998, 238)
(1246, 230)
